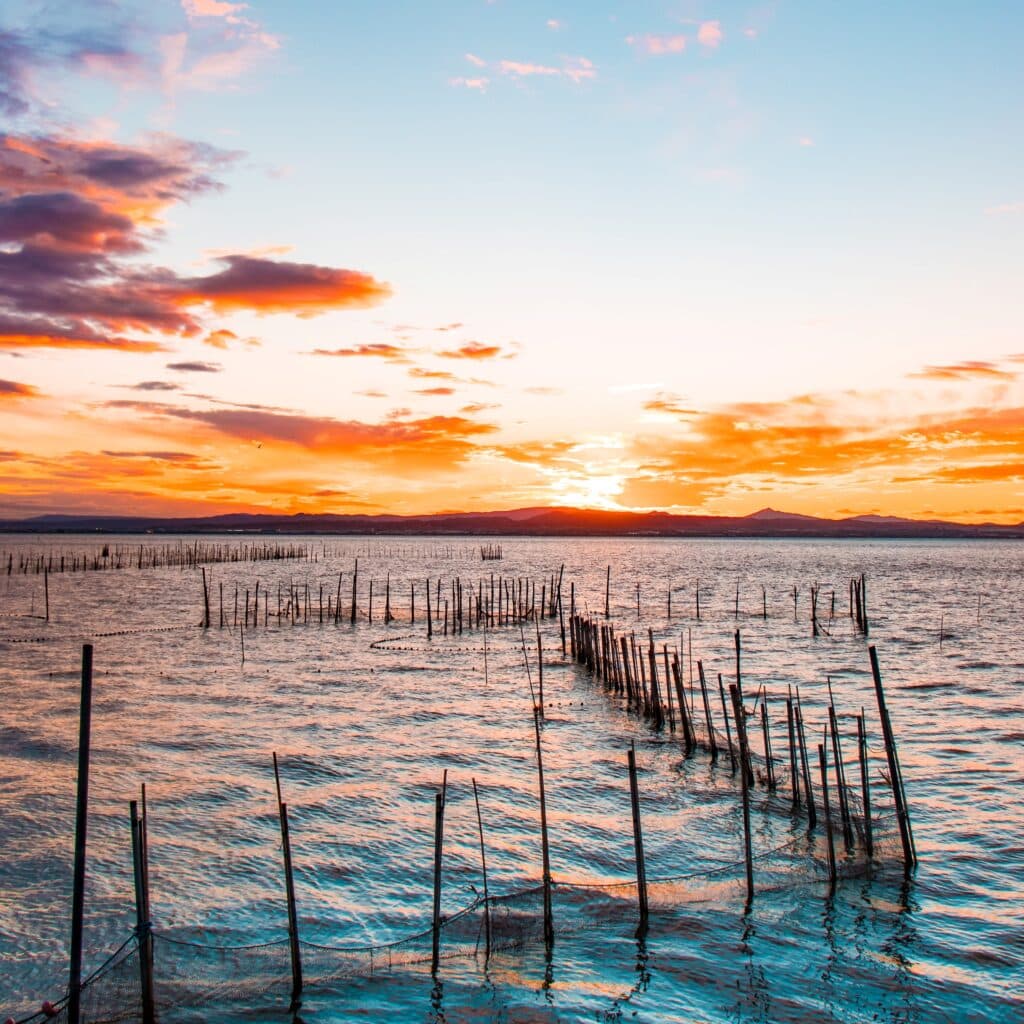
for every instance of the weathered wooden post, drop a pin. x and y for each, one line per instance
(439, 802)
(483, 867)
(74, 1006)
(862, 751)
(549, 930)
(896, 777)
(293, 919)
(823, 764)
(748, 853)
(638, 839)
(143, 923)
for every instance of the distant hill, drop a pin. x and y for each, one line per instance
(531, 522)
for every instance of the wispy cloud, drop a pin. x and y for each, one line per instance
(710, 34)
(14, 389)
(657, 46)
(472, 350)
(475, 84)
(373, 350)
(971, 369)
(525, 69)
(195, 366)
(218, 45)
(576, 69)
(1006, 209)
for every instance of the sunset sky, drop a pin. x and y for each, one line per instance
(376, 256)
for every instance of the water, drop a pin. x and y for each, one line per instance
(364, 733)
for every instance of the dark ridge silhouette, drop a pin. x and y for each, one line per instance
(529, 522)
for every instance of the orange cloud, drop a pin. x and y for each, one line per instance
(472, 350)
(416, 445)
(435, 391)
(969, 370)
(275, 286)
(376, 349)
(220, 338)
(13, 389)
(424, 374)
(35, 334)
(667, 403)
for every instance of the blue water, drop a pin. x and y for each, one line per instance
(364, 734)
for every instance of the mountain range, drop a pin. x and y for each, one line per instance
(532, 522)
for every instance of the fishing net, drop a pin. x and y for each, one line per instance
(190, 975)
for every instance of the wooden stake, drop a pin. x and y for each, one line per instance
(748, 853)
(895, 776)
(549, 931)
(81, 827)
(823, 764)
(862, 751)
(483, 867)
(725, 715)
(143, 925)
(638, 838)
(438, 845)
(293, 920)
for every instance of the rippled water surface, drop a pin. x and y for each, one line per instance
(364, 731)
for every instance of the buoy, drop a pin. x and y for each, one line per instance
(10, 1020)
(49, 1009)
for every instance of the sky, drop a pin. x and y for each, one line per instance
(414, 257)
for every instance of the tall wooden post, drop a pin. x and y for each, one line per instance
(862, 752)
(143, 923)
(483, 866)
(438, 846)
(823, 764)
(899, 795)
(549, 930)
(293, 920)
(81, 827)
(748, 853)
(638, 838)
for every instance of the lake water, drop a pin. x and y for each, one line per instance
(365, 720)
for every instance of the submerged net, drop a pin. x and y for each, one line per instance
(192, 975)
